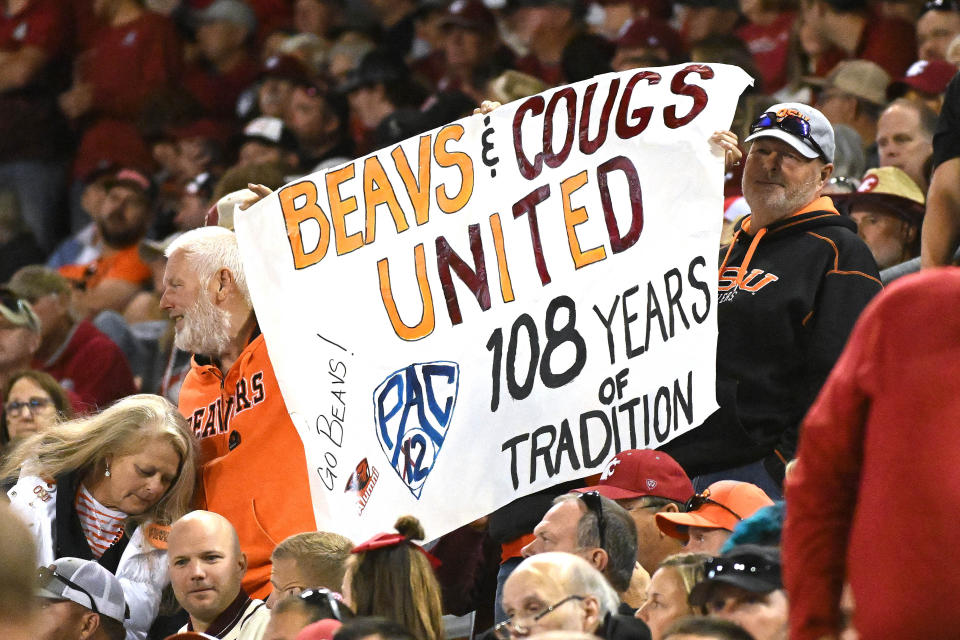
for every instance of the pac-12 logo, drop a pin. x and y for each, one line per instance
(413, 408)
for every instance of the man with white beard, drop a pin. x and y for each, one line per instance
(231, 398)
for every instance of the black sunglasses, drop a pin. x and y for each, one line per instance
(329, 601)
(751, 565)
(594, 503)
(794, 125)
(698, 500)
(46, 575)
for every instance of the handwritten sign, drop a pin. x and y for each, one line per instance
(500, 304)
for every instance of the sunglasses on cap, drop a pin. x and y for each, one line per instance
(594, 503)
(46, 576)
(331, 600)
(698, 500)
(747, 564)
(794, 125)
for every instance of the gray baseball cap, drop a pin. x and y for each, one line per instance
(787, 121)
(84, 582)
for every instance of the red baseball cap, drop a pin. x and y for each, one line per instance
(925, 76)
(721, 506)
(636, 473)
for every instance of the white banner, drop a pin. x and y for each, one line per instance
(500, 304)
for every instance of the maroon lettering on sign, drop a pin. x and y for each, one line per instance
(528, 205)
(475, 279)
(620, 243)
(533, 106)
(552, 158)
(681, 88)
(641, 115)
(588, 146)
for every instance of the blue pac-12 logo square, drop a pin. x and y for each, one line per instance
(413, 408)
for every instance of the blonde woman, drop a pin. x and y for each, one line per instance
(667, 593)
(103, 488)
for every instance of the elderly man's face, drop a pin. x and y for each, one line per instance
(764, 616)
(888, 236)
(17, 345)
(902, 143)
(201, 327)
(529, 592)
(778, 181)
(557, 531)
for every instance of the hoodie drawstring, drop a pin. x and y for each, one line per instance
(745, 263)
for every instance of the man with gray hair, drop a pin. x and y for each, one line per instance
(231, 398)
(555, 591)
(792, 283)
(79, 600)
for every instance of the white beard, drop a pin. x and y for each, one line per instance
(204, 329)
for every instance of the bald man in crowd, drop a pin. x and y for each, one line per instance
(206, 569)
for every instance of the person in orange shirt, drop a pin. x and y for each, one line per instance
(232, 401)
(111, 280)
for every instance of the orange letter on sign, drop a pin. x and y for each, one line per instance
(427, 321)
(340, 208)
(449, 159)
(295, 216)
(377, 190)
(417, 188)
(573, 217)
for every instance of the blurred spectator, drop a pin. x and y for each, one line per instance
(33, 134)
(925, 81)
(860, 511)
(702, 18)
(224, 67)
(711, 515)
(941, 227)
(645, 483)
(319, 17)
(383, 99)
(80, 357)
(319, 118)
(905, 139)
(19, 335)
(200, 149)
(396, 19)
(18, 610)
(278, 76)
(646, 43)
(586, 55)
(373, 628)
(18, 247)
(937, 25)
(85, 245)
(544, 28)
(512, 85)
(851, 29)
(267, 139)
(346, 54)
(849, 160)
(112, 279)
(593, 527)
(888, 209)
(744, 586)
(307, 560)
(33, 402)
(618, 14)
(78, 598)
(854, 94)
(768, 34)
(563, 592)
(292, 614)
(133, 56)
(378, 582)
(708, 628)
(669, 590)
(210, 591)
(195, 199)
(472, 51)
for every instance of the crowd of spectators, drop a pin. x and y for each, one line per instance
(124, 314)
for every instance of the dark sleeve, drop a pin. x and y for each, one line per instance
(106, 375)
(846, 291)
(946, 138)
(821, 490)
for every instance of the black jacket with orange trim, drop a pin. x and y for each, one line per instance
(789, 295)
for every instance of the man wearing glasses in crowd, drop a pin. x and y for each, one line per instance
(79, 600)
(792, 283)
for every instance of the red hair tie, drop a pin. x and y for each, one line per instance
(383, 540)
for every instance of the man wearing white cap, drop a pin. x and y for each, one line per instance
(79, 600)
(792, 283)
